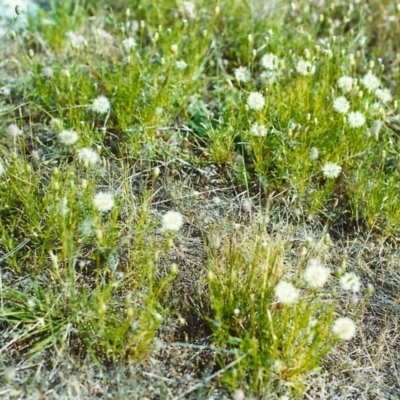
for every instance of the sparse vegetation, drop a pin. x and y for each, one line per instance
(199, 199)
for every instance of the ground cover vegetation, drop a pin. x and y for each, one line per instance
(199, 199)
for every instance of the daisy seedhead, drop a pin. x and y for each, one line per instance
(180, 64)
(384, 95)
(344, 328)
(351, 282)
(101, 105)
(331, 170)
(242, 74)
(370, 81)
(128, 44)
(172, 221)
(256, 101)
(305, 68)
(341, 105)
(14, 131)
(68, 137)
(103, 201)
(270, 61)
(88, 157)
(356, 119)
(258, 130)
(345, 84)
(316, 274)
(286, 293)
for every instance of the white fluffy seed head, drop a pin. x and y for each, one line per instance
(331, 170)
(242, 74)
(370, 81)
(270, 61)
(68, 137)
(88, 157)
(256, 101)
(356, 119)
(344, 328)
(172, 221)
(316, 274)
(305, 68)
(286, 293)
(103, 201)
(258, 130)
(345, 84)
(351, 282)
(341, 105)
(101, 105)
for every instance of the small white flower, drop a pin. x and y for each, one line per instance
(129, 44)
(376, 109)
(344, 328)
(14, 131)
(172, 221)
(88, 157)
(314, 153)
(270, 61)
(331, 170)
(345, 83)
(384, 95)
(350, 281)
(101, 105)
(2, 169)
(86, 228)
(316, 274)
(180, 64)
(370, 81)
(103, 201)
(256, 101)
(258, 130)
(242, 74)
(305, 68)
(286, 292)
(356, 119)
(68, 137)
(341, 105)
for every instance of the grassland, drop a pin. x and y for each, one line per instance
(200, 200)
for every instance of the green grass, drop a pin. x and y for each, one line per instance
(99, 279)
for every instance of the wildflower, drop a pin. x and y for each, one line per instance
(242, 74)
(344, 328)
(103, 201)
(256, 101)
(172, 221)
(2, 169)
(341, 105)
(305, 68)
(88, 157)
(77, 41)
(286, 292)
(345, 83)
(101, 105)
(384, 95)
(331, 170)
(356, 119)
(258, 130)
(370, 81)
(68, 137)
(270, 61)
(350, 281)
(180, 64)
(316, 274)
(14, 131)
(376, 109)
(314, 153)
(129, 44)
